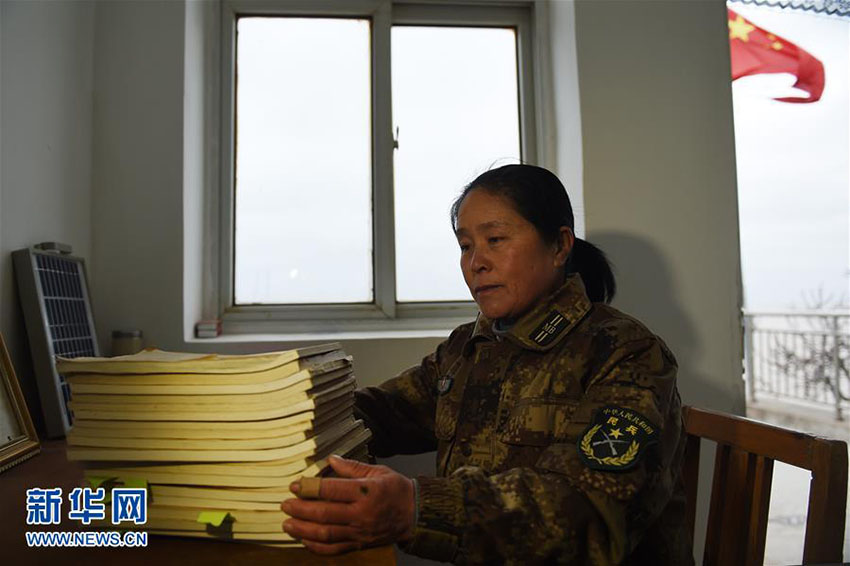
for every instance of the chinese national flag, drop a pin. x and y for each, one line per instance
(755, 51)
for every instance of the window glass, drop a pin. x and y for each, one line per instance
(456, 107)
(303, 180)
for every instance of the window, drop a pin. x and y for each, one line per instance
(456, 112)
(303, 171)
(348, 129)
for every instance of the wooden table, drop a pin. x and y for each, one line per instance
(51, 469)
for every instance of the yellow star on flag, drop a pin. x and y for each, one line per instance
(615, 432)
(739, 28)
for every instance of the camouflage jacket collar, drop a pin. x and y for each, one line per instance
(546, 324)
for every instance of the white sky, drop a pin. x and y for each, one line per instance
(794, 169)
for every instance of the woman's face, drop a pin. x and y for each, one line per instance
(506, 264)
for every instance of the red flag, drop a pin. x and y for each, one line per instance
(755, 51)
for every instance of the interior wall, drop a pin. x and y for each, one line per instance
(659, 179)
(194, 182)
(45, 147)
(138, 174)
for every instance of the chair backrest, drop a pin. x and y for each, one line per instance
(740, 492)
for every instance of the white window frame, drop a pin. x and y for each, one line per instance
(384, 314)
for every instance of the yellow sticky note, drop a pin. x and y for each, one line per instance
(214, 518)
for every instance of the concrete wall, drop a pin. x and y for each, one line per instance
(659, 179)
(195, 129)
(137, 203)
(45, 131)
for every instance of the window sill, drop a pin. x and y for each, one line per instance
(331, 331)
(322, 337)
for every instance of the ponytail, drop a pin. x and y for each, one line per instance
(590, 262)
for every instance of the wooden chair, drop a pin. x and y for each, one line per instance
(740, 493)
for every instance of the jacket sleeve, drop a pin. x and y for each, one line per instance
(400, 412)
(562, 509)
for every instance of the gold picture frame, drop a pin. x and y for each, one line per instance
(18, 439)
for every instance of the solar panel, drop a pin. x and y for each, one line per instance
(57, 311)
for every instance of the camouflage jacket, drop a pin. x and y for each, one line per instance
(558, 441)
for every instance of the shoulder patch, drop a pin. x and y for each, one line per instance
(549, 329)
(616, 439)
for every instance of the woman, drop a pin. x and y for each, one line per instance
(556, 418)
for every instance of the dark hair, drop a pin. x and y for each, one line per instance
(540, 197)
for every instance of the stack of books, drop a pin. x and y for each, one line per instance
(216, 439)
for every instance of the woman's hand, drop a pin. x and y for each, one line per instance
(365, 506)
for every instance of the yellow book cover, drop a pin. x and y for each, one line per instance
(296, 452)
(190, 430)
(289, 405)
(153, 361)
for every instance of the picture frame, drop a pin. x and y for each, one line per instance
(18, 439)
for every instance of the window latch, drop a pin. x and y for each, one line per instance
(395, 138)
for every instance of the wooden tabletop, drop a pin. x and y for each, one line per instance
(51, 469)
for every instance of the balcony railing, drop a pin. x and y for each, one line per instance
(799, 355)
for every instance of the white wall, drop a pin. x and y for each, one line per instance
(137, 204)
(198, 60)
(659, 179)
(45, 136)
